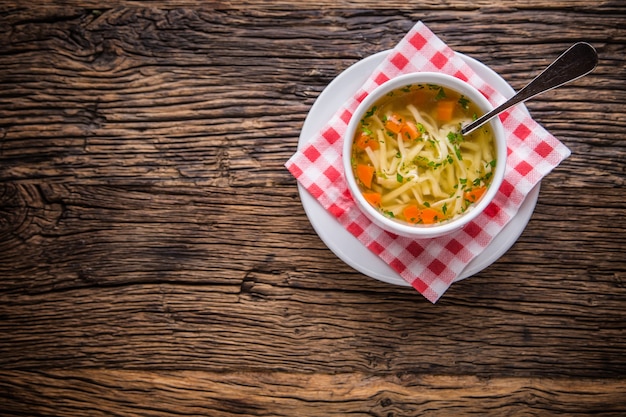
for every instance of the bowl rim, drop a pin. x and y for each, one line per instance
(439, 229)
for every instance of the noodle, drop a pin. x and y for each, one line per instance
(422, 164)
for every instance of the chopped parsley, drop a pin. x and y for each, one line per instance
(371, 112)
(457, 150)
(464, 102)
(455, 138)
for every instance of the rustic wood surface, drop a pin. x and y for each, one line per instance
(155, 258)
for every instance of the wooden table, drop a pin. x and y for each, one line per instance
(155, 257)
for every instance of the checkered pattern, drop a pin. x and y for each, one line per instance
(431, 265)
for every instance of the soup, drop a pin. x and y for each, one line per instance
(411, 161)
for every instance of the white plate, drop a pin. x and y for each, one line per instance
(343, 243)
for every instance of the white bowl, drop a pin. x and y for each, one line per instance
(437, 229)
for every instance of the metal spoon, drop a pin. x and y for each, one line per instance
(580, 59)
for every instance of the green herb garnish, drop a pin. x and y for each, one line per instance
(464, 102)
(371, 112)
(455, 138)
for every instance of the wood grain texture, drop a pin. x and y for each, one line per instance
(289, 394)
(155, 258)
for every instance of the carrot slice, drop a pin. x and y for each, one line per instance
(430, 216)
(474, 194)
(364, 141)
(445, 108)
(393, 123)
(373, 198)
(411, 214)
(409, 131)
(365, 173)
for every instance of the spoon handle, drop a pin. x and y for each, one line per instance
(580, 59)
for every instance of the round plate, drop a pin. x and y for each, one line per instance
(341, 242)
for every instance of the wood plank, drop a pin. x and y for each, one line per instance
(298, 319)
(125, 392)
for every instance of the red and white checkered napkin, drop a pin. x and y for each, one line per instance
(429, 265)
